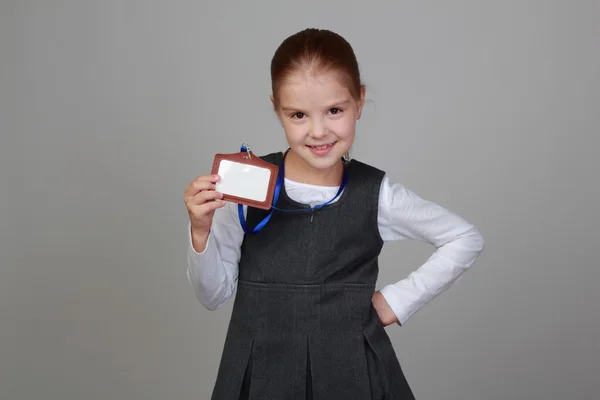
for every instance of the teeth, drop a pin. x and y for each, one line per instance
(323, 147)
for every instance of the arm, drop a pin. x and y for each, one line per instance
(213, 271)
(404, 215)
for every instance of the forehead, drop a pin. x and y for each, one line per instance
(313, 88)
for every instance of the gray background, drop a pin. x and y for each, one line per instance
(109, 108)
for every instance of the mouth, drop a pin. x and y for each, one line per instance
(322, 149)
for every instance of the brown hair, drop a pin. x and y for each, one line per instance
(315, 49)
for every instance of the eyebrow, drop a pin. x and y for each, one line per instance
(339, 103)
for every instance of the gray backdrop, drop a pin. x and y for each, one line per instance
(109, 108)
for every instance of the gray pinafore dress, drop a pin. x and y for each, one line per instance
(303, 325)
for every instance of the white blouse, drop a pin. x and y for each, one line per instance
(401, 215)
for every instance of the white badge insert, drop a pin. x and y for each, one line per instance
(243, 180)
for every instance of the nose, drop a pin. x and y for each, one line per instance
(318, 129)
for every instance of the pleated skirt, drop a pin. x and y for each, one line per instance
(306, 342)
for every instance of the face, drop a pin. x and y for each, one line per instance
(318, 114)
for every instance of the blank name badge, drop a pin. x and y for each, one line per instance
(245, 179)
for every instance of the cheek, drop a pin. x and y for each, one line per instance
(294, 132)
(344, 127)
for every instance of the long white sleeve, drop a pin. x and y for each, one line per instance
(404, 215)
(213, 272)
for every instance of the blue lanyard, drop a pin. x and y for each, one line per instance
(278, 186)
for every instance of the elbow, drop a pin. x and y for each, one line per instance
(211, 296)
(211, 307)
(471, 241)
(210, 304)
(479, 241)
(216, 300)
(475, 243)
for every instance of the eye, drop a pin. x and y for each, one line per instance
(335, 111)
(297, 115)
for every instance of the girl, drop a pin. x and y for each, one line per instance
(307, 322)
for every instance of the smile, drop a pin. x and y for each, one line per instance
(322, 147)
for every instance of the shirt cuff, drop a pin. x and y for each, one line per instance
(193, 251)
(396, 304)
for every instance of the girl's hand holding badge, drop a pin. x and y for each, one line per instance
(241, 178)
(201, 200)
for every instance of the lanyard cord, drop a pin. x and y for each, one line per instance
(278, 186)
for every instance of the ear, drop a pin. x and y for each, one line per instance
(272, 101)
(361, 102)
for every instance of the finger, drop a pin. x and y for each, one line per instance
(211, 206)
(212, 178)
(206, 196)
(201, 183)
(203, 178)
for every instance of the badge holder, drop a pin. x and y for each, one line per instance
(245, 178)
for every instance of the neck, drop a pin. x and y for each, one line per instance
(298, 170)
